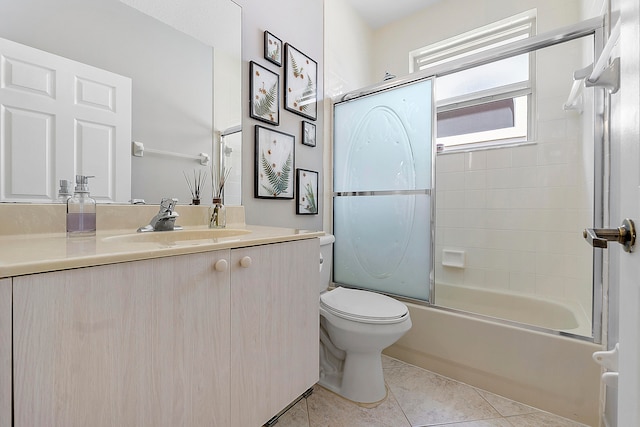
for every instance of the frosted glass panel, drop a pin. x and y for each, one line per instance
(382, 243)
(382, 182)
(383, 141)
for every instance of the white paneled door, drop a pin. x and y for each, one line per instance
(59, 118)
(629, 205)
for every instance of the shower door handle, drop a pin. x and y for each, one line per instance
(625, 235)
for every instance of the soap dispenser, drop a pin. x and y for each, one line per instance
(81, 210)
(64, 192)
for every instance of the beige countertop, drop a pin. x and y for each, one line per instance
(37, 252)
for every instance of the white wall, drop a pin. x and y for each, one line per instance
(198, 18)
(348, 47)
(301, 25)
(519, 212)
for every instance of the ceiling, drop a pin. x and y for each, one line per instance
(378, 13)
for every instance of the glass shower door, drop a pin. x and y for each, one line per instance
(383, 159)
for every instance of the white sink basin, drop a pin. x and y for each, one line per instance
(178, 235)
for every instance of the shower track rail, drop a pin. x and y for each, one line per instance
(551, 38)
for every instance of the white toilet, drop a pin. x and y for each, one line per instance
(355, 326)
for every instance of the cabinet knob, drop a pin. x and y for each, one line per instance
(245, 261)
(221, 265)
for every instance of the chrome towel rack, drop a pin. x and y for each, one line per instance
(138, 150)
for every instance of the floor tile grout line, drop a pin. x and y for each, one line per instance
(508, 419)
(499, 415)
(306, 407)
(539, 411)
(485, 399)
(401, 364)
(453, 423)
(533, 409)
(390, 392)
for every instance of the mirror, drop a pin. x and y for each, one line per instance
(185, 72)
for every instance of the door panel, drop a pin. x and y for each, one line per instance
(274, 328)
(142, 343)
(628, 205)
(59, 118)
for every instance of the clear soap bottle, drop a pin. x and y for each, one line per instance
(81, 210)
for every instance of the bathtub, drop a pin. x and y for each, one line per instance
(548, 371)
(526, 309)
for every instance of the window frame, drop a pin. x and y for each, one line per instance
(456, 49)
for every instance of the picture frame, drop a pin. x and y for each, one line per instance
(301, 83)
(308, 133)
(264, 94)
(272, 48)
(306, 192)
(275, 162)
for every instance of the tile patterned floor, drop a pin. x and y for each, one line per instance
(418, 398)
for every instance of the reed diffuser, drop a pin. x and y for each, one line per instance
(196, 184)
(217, 212)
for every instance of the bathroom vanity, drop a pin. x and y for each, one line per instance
(215, 331)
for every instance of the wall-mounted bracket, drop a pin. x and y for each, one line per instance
(609, 78)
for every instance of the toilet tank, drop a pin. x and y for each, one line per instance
(326, 257)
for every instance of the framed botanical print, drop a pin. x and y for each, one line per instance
(272, 48)
(308, 133)
(306, 192)
(275, 159)
(265, 92)
(301, 83)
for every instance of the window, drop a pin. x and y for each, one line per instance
(485, 105)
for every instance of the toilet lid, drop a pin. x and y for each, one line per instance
(363, 306)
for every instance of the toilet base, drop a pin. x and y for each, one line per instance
(360, 380)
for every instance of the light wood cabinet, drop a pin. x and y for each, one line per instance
(143, 343)
(165, 342)
(274, 328)
(5, 352)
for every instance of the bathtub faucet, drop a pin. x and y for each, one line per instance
(165, 219)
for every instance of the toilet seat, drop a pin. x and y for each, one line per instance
(363, 306)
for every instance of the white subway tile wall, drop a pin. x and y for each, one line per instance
(518, 212)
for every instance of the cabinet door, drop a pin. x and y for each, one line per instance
(143, 343)
(274, 328)
(5, 352)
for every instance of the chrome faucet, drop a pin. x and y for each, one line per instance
(165, 219)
